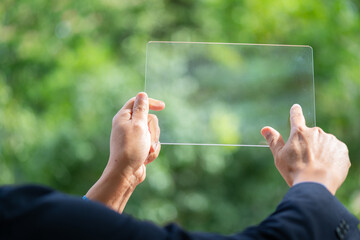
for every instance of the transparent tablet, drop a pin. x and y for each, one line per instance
(224, 93)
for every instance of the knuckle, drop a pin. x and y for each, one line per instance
(294, 115)
(138, 126)
(141, 108)
(298, 129)
(318, 129)
(332, 137)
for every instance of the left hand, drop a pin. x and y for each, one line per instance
(134, 143)
(134, 140)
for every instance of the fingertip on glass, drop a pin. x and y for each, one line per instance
(142, 95)
(296, 105)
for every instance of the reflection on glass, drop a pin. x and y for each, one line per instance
(223, 94)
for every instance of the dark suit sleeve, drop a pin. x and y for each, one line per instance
(308, 211)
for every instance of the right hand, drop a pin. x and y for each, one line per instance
(310, 154)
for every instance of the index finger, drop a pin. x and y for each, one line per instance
(297, 118)
(154, 104)
(127, 110)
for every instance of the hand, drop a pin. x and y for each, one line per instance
(134, 140)
(134, 143)
(310, 154)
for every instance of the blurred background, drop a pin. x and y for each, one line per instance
(66, 67)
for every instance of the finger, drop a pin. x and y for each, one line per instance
(156, 105)
(152, 156)
(129, 104)
(296, 117)
(127, 110)
(319, 130)
(274, 139)
(141, 107)
(154, 129)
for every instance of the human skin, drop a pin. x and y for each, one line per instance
(134, 143)
(309, 155)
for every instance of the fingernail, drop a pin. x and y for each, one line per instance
(267, 134)
(155, 146)
(264, 132)
(141, 96)
(297, 105)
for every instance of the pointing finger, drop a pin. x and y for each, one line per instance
(296, 117)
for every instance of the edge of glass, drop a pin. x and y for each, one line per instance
(313, 81)
(244, 44)
(214, 144)
(221, 43)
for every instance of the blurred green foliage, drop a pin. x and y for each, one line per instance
(66, 67)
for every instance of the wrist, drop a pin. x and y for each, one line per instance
(320, 176)
(113, 191)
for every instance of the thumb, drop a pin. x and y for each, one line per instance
(141, 107)
(273, 138)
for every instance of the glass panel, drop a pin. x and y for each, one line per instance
(223, 94)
